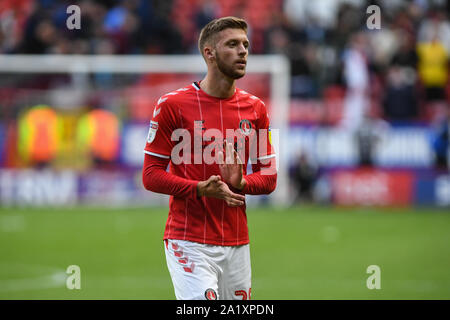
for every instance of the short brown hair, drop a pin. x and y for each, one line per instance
(215, 26)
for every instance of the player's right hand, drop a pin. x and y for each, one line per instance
(216, 188)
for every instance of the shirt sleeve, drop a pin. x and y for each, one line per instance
(157, 151)
(163, 123)
(263, 180)
(155, 178)
(265, 148)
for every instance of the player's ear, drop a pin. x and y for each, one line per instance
(208, 53)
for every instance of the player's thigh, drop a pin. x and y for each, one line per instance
(193, 276)
(236, 281)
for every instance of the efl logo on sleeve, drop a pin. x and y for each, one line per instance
(152, 131)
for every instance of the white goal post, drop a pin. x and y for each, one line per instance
(277, 66)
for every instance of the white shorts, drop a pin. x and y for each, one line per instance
(209, 272)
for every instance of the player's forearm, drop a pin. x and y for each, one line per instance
(257, 183)
(155, 178)
(263, 180)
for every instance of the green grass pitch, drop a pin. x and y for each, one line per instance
(308, 252)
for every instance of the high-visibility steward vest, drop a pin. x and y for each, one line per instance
(39, 134)
(99, 132)
(432, 66)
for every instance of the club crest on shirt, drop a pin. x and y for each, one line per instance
(152, 131)
(245, 126)
(210, 294)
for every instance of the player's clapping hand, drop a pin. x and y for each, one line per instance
(216, 188)
(231, 168)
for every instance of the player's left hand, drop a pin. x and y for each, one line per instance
(231, 168)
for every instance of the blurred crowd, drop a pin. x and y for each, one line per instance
(396, 72)
(400, 66)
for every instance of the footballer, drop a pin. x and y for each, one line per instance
(207, 133)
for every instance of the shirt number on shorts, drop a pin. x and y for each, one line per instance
(244, 294)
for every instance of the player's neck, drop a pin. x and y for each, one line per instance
(219, 87)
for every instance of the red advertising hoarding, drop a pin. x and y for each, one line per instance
(372, 187)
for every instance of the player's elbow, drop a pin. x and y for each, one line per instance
(148, 179)
(270, 179)
(272, 185)
(153, 173)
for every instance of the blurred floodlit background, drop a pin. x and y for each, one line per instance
(367, 123)
(368, 108)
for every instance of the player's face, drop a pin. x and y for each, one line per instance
(231, 52)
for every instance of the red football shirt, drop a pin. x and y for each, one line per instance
(187, 128)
